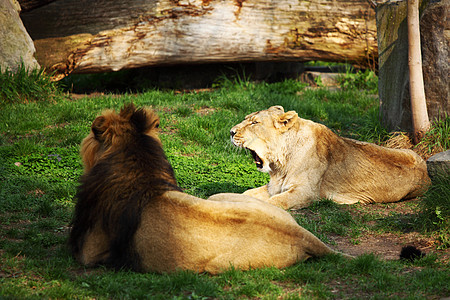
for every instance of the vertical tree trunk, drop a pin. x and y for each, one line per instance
(421, 123)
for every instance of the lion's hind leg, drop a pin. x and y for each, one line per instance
(95, 248)
(345, 199)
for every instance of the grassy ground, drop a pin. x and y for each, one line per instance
(40, 135)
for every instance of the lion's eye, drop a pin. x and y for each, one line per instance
(254, 122)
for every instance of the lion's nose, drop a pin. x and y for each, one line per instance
(232, 132)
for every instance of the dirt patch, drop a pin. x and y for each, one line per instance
(387, 244)
(75, 96)
(205, 110)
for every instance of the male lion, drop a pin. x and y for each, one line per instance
(307, 161)
(131, 213)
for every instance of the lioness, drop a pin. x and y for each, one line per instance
(131, 213)
(307, 161)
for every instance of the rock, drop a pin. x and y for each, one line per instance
(439, 164)
(321, 79)
(15, 43)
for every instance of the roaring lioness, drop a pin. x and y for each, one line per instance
(307, 161)
(130, 212)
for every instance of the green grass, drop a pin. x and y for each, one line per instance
(435, 215)
(40, 166)
(437, 139)
(359, 80)
(25, 86)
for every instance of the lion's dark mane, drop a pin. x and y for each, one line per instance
(117, 189)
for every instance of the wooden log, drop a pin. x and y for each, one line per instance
(27, 5)
(96, 36)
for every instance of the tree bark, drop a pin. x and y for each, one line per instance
(95, 36)
(421, 123)
(28, 5)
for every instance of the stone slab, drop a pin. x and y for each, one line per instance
(439, 164)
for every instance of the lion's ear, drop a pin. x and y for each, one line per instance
(127, 111)
(98, 127)
(144, 120)
(276, 108)
(286, 120)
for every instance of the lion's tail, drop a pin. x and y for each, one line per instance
(317, 248)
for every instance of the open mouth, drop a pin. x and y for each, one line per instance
(257, 159)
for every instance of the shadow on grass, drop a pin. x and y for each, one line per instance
(209, 189)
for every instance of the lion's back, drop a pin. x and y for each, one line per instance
(371, 173)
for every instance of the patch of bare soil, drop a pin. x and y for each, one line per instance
(75, 96)
(205, 110)
(388, 245)
(385, 245)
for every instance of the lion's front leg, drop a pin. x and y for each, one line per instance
(296, 197)
(261, 193)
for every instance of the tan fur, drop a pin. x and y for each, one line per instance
(307, 161)
(177, 230)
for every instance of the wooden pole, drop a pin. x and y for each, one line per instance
(421, 123)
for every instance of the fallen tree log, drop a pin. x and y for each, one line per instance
(85, 36)
(27, 5)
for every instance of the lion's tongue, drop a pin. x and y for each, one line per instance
(257, 159)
